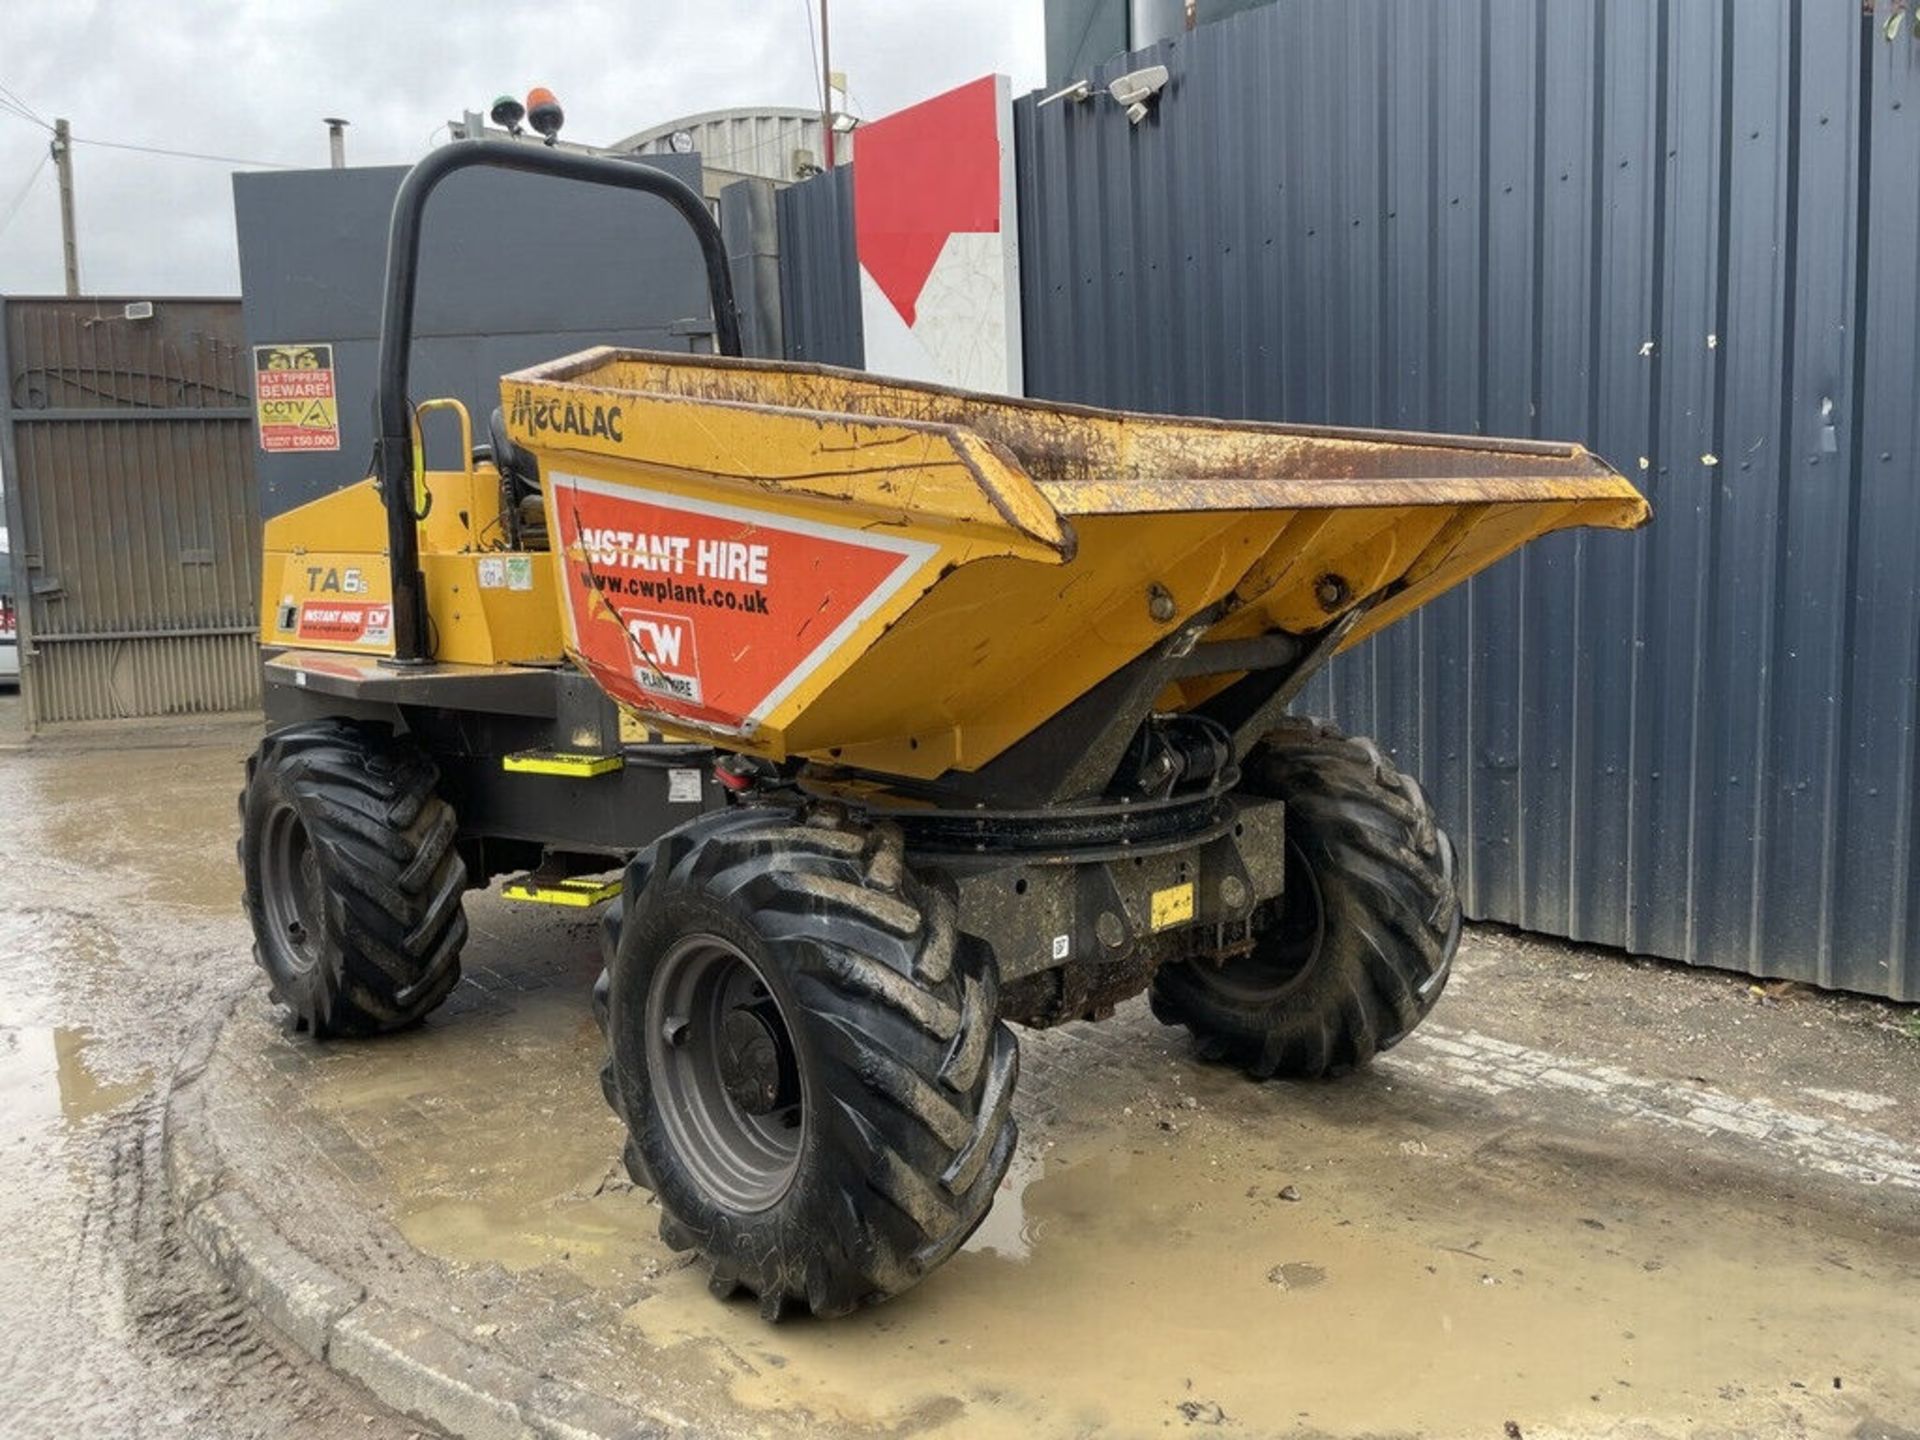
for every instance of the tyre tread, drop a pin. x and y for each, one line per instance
(1385, 865)
(394, 878)
(917, 1069)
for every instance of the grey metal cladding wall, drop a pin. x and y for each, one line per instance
(1686, 233)
(819, 275)
(131, 507)
(749, 225)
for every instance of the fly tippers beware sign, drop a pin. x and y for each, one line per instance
(294, 397)
(713, 613)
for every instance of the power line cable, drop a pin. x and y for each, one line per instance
(181, 154)
(20, 199)
(154, 149)
(820, 80)
(8, 108)
(13, 96)
(14, 102)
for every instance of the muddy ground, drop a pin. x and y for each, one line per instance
(1593, 1197)
(116, 929)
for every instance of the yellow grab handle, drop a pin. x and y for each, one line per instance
(422, 501)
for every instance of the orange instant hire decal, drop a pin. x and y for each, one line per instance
(713, 613)
(345, 622)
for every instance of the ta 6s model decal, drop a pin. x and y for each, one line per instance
(713, 613)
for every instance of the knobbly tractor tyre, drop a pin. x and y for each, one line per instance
(807, 1058)
(1356, 950)
(353, 882)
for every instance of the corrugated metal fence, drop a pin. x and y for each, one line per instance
(131, 506)
(819, 275)
(1686, 233)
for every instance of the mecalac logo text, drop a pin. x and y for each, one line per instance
(567, 417)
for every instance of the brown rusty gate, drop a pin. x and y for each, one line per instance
(126, 433)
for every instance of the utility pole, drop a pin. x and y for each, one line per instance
(336, 141)
(826, 90)
(63, 162)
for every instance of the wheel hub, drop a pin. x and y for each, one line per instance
(293, 890)
(750, 1061)
(1286, 949)
(725, 1072)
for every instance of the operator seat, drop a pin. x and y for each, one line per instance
(521, 512)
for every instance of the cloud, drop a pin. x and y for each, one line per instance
(234, 77)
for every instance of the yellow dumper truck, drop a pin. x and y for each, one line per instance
(881, 717)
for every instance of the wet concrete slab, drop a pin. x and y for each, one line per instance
(117, 930)
(1479, 1231)
(1593, 1197)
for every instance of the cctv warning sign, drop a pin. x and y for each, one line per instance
(294, 397)
(713, 613)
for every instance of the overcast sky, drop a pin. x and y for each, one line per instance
(253, 79)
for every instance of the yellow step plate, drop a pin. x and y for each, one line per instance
(560, 762)
(576, 891)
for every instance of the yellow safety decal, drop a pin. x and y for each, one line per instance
(576, 892)
(559, 762)
(1172, 905)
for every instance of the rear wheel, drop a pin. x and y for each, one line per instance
(353, 883)
(806, 1055)
(1356, 949)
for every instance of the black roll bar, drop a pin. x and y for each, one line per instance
(393, 419)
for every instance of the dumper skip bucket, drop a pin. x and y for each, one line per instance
(908, 579)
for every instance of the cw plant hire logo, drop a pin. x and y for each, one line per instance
(566, 417)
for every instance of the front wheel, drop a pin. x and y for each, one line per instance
(807, 1058)
(353, 882)
(1356, 949)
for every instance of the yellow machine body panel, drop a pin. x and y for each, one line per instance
(325, 583)
(907, 578)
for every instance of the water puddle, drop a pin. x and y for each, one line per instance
(45, 1076)
(1163, 1290)
(1006, 1231)
(157, 824)
(510, 1167)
